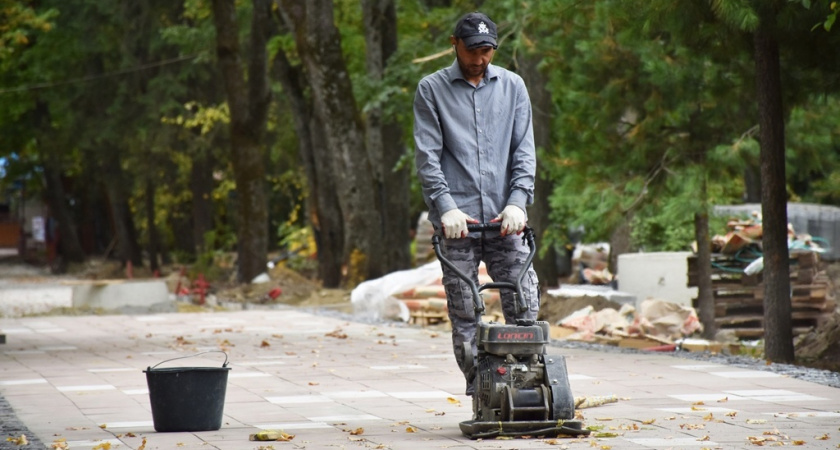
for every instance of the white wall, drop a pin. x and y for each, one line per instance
(659, 275)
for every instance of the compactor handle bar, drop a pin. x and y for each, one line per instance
(478, 302)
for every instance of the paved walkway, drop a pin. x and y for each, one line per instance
(338, 384)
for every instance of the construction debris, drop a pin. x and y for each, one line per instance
(738, 285)
(594, 400)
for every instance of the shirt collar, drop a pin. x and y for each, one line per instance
(454, 72)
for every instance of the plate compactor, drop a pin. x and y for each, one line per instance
(519, 390)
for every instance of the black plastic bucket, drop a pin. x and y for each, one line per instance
(187, 398)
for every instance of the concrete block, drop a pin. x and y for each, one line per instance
(23, 299)
(657, 275)
(114, 294)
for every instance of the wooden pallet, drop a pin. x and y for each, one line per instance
(426, 318)
(739, 298)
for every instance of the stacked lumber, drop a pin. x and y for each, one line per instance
(427, 303)
(739, 297)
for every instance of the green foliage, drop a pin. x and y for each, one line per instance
(813, 151)
(19, 24)
(653, 104)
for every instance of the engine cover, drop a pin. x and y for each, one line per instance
(515, 380)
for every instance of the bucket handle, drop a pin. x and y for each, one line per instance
(191, 356)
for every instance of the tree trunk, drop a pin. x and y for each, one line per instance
(545, 263)
(125, 233)
(154, 240)
(705, 297)
(319, 46)
(248, 104)
(201, 188)
(324, 212)
(778, 332)
(69, 246)
(384, 140)
(620, 240)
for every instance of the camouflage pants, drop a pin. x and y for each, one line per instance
(504, 257)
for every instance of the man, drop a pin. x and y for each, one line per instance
(476, 163)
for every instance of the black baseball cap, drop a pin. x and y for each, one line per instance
(476, 30)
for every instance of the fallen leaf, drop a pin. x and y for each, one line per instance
(411, 430)
(453, 400)
(103, 426)
(442, 413)
(59, 444)
(142, 445)
(357, 431)
(756, 421)
(604, 434)
(822, 438)
(797, 442)
(19, 440)
(648, 422)
(337, 333)
(698, 403)
(103, 446)
(704, 438)
(265, 344)
(313, 383)
(695, 408)
(708, 417)
(731, 414)
(723, 400)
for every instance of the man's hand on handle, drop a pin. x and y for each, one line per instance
(512, 218)
(454, 223)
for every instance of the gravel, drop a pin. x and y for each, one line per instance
(12, 428)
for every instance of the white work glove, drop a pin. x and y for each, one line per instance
(454, 223)
(512, 218)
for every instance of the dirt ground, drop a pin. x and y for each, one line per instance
(554, 311)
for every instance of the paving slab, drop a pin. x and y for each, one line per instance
(337, 383)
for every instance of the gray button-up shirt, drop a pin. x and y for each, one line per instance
(474, 145)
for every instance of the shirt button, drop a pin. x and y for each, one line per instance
(478, 110)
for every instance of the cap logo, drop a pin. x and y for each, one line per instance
(482, 28)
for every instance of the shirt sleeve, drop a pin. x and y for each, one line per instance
(428, 141)
(524, 158)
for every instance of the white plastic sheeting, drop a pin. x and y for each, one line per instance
(375, 298)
